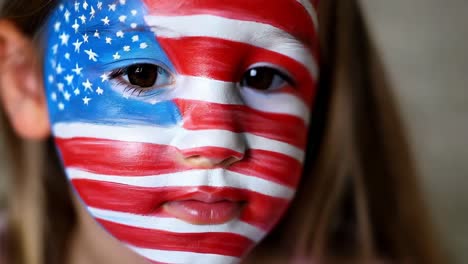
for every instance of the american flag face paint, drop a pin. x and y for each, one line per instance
(136, 89)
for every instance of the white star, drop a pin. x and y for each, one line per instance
(105, 77)
(64, 38)
(122, 18)
(53, 63)
(112, 7)
(135, 38)
(123, 2)
(67, 56)
(53, 96)
(59, 69)
(96, 34)
(88, 85)
(55, 48)
(86, 100)
(77, 70)
(77, 91)
(134, 12)
(99, 5)
(57, 26)
(51, 78)
(76, 26)
(61, 106)
(85, 5)
(77, 6)
(108, 40)
(77, 45)
(126, 48)
(99, 91)
(85, 38)
(67, 16)
(116, 56)
(92, 13)
(60, 87)
(143, 45)
(92, 55)
(120, 34)
(133, 25)
(83, 19)
(67, 96)
(106, 21)
(69, 79)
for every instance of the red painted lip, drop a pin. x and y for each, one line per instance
(206, 207)
(201, 213)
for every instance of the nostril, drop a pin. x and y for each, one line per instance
(209, 157)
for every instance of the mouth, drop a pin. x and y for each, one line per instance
(206, 208)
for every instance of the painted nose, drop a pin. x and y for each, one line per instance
(210, 148)
(211, 158)
(212, 133)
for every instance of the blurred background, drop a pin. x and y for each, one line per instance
(424, 44)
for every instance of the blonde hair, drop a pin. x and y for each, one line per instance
(358, 200)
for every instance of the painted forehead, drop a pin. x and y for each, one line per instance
(300, 20)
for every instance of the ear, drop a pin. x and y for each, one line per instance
(21, 85)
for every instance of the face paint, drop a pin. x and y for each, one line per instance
(182, 124)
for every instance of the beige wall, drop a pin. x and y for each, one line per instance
(424, 43)
(425, 46)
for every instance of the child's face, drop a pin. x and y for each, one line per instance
(182, 124)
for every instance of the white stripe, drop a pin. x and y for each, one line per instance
(177, 226)
(311, 10)
(194, 178)
(177, 257)
(177, 137)
(214, 91)
(254, 33)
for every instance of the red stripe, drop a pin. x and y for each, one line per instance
(259, 210)
(119, 157)
(142, 159)
(239, 118)
(286, 15)
(226, 60)
(213, 243)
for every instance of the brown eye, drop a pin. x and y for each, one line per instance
(143, 75)
(264, 79)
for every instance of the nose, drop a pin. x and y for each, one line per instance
(210, 148)
(212, 133)
(210, 158)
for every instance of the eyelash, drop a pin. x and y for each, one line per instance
(129, 88)
(135, 90)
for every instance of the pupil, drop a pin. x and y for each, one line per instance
(143, 75)
(259, 78)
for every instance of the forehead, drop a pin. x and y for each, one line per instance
(296, 17)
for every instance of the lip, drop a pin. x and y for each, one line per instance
(206, 206)
(201, 213)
